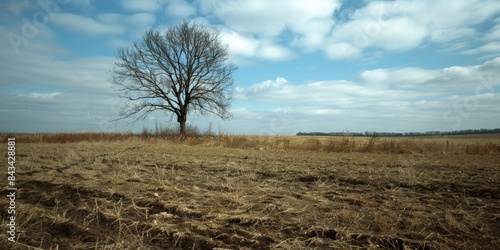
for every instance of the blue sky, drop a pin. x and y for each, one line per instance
(303, 66)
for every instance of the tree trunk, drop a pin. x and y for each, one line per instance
(182, 125)
(182, 128)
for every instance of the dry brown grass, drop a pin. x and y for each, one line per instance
(245, 192)
(399, 145)
(67, 137)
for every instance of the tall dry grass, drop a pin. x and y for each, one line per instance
(401, 145)
(66, 137)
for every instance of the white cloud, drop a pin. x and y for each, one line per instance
(179, 9)
(494, 33)
(491, 48)
(39, 96)
(490, 65)
(108, 24)
(342, 51)
(401, 96)
(239, 45)
(454, 79)
(273, 52)
(308, 21)
(444, 35)
(45, 93)
(16, 7)
(458, 14)
(404, 25)
(140, 6)
(326, 94)
(386, 25)
(141, 19)
(86, 25)
(400, 34)
(118, 43)
(265, 86)
(69, 92)
(364, 30)
(311, 33)
(242, 48)
(398, 77)
(134, 24)
(488, 46)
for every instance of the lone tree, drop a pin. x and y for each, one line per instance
(182, 71)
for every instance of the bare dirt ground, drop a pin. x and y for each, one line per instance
(152, 194)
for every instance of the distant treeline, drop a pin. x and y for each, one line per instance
(390, 134)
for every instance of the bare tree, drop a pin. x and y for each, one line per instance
(182, 71)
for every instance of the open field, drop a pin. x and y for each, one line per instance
(461, 144)
(237, 192)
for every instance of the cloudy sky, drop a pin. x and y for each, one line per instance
(319, 65)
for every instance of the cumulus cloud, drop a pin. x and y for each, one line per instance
(273, 52)
(140, 6)
(406, 97)
(243, 49)
(238, 44)
(494, 33)
(459, 14)
(141, 19)
(115, 27)
(313, 26)
(453, 79)
(179, 9)
(342, 51)
(442, 35)
(397, 78)
(332, 94)
(386, 25)
(262, 87)
(404, 25)
(440, 97)
(134, 24)
(379, 25)
(492, 48)
(307, 22)
(44, 92)
(78, 23)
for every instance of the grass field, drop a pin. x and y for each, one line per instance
(120, 191)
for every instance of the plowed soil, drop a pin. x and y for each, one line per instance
(151, 194)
